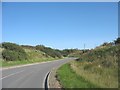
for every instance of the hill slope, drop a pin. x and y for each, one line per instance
(14, 54)
(98, 66)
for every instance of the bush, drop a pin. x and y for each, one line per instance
(12, 46)
(13, 52)
(9, 55)
(49, 51)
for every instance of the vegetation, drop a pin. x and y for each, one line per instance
(51, 52)
(13, 52)
(69, 79)
(98, 66)
(72, 52)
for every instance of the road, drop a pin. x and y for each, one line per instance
(32, 76)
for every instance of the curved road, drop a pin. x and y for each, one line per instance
(31, 76)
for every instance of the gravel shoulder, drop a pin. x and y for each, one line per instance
(52, 80)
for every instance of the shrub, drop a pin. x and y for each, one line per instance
(13, 52)
(49, 51)
(12, 46)
(9, 55)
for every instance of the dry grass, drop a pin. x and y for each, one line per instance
(103, 77)
(99, 66)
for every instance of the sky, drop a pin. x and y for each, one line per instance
(60, 25)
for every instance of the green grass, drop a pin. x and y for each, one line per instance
(23, 62)
(69, 79)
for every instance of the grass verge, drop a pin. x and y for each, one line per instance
(23, 62)
(69, 79)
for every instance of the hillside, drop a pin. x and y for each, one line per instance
(14, 54)
(37, 55)
(97, 68)
(100, 66)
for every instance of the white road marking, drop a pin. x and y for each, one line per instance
(44, 79)
(11, 75)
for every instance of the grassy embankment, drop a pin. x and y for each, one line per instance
(69, 79)
(96, 68)
(34, 56)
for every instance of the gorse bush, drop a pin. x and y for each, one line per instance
(9, 55)
(12, 46)
(51, 52)
(13, 52)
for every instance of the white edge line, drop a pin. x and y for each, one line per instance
(11, 75)
(44, 79)
(49, 75)
(48, 79)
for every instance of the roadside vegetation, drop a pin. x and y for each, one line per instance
(98, 66)
(69, 79)
(14, 54)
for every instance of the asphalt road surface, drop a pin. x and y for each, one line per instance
(32, 76)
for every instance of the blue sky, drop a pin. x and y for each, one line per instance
(60, 25)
